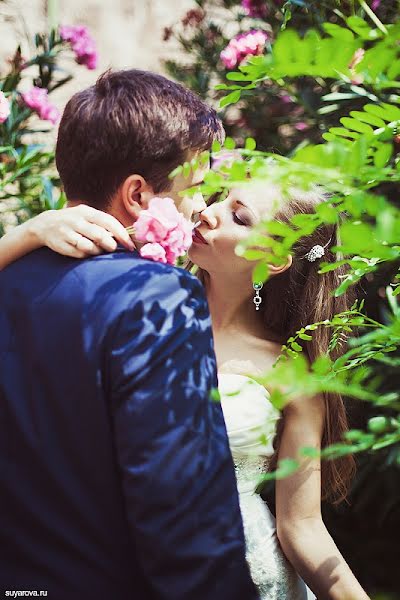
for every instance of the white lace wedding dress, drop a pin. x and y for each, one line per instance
(251, 422)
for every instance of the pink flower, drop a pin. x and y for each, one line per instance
(37, 99)
(49, 112)
(154, 224)
(82, 44)
(4, 108)
(162, 225)
(154, 252)
(375, 4)
(243, 45)
(229, 57)
(301, 126)
(255, 8)
(73, 33)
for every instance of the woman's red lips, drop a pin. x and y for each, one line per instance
(198, 238)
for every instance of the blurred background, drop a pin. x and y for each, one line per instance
(128, 33)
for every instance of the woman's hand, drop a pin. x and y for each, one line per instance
(79, 232)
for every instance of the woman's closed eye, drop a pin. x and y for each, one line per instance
(240, 220)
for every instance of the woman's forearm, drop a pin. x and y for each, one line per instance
(316, 558)
(17, 242)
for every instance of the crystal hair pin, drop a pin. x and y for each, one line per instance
(316, 252)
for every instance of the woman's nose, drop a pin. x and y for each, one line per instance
(199, 204)
(208, 217)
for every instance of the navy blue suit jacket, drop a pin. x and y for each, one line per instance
(116, 480)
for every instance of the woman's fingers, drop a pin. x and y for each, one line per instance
(100, 237)
(111, 224)
(81, 231)
(67, 249)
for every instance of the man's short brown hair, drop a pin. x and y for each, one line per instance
(130, 122)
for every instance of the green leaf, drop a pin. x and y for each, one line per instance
(260, 272)
(215, 396)
(229, 143)
(286, 467)
(367, 118)
(176, 172)
(296, 347)
(355, 125)
(382, 155)
(304, 336)
(250, 144)
(231, 98)
(338, 32)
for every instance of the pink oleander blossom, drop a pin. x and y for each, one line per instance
(162, 225)
(243, 45)
(49, 112)
(4, 108)
(82, 44)
(37, 99)
(255, 8)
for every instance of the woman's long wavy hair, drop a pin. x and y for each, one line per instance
(300, 296)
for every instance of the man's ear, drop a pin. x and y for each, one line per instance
(135, 194)
(277, 269)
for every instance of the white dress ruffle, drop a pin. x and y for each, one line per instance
(251, 422)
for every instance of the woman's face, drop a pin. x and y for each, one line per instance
(224, 224)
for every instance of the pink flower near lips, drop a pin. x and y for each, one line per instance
(154, 224)
(4, 108)
(163, 225)
(154, 252)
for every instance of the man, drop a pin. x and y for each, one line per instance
(116, 480)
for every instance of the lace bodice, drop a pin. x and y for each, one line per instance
(251, 424)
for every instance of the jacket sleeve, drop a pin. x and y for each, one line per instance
(172, 447)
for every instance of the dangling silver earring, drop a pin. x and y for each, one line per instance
(257, 298)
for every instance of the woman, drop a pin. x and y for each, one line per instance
(298, 545)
